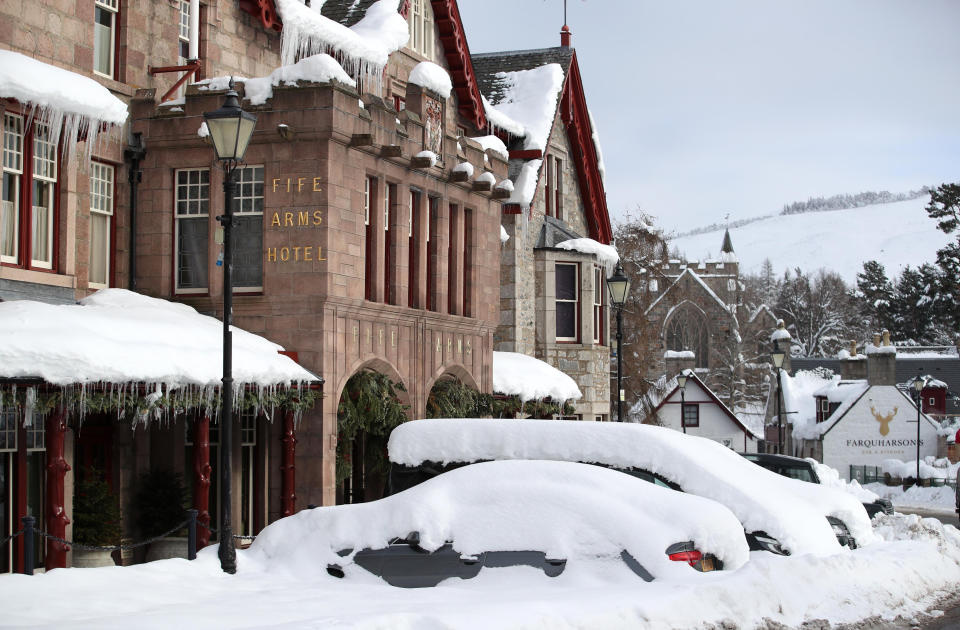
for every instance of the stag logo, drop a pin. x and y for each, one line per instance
(884, 420)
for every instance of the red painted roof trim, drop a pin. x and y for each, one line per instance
(263, 10)
(576, 117)
(457, 53)
(526, 154)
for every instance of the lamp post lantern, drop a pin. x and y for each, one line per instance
(230, 131)
(682, 382)
(619, 286)
(778, 355)
(918, 384)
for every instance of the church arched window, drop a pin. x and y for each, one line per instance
(687, 330)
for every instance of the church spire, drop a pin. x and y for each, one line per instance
(726, 250)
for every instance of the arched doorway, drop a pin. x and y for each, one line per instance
(370, 406)
(454, 395)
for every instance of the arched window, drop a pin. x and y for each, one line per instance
(687, 331)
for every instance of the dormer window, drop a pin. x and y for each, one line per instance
(420, 19)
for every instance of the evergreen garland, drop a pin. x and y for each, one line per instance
(369, 409)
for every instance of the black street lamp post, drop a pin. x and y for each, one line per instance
(778, 356)
(682, 382)
(619, 286)
(230, 130)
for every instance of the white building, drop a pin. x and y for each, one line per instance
(704, 415)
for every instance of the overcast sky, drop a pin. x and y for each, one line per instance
(707, 107)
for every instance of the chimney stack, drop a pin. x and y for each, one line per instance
(565, 36)
(854, 366)
(678, 361)
(882, 361)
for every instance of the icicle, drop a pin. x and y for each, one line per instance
(29, 405)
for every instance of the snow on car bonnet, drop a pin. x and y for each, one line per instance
(567, 510)
(791, 511)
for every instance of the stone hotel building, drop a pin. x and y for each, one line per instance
(368, 219)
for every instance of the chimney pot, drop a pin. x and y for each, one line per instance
(886, 337)
(853, 347)
(565, 36)
(876, 339)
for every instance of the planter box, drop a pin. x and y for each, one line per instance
(83, 559)
(169, 547)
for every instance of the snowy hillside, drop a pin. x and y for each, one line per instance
(896, 234)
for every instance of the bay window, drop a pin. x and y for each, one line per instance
(567, 301)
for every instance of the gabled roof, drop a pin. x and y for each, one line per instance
(573, 113)
(692, 377)
(449, 25)
(848, 406)
(699, 281)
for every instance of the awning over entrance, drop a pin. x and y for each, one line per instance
(116, 336)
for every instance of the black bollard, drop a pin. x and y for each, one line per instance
(28, 522)
(192, 535)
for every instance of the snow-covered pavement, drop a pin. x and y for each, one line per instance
(917, 562)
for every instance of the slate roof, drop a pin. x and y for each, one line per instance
(553, 232)
(946, 369)
(348, 12)
(488, 65)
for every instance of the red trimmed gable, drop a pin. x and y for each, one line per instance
(457, 53)
(446, 16)
(574, 113)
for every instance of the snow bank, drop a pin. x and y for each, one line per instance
(607, 254)
(117, 336)
(516, 374)
(529, 97)
(364, 48)
(431, 76)
(553, 507)
(790, 510)
(59, 97)
(830, 477)
(917, 497)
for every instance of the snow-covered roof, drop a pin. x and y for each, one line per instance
(607, 254)
(364, 47)
(516, 374)
(500, 120)
(320, 68)
(529, 98)
(431, 76)
(790, 510)
(583, 514)
(800, 403)
(117, 336)
(56, 96)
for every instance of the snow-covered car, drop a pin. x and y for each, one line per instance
(547, 515)
(805, 470)
(778, 514)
